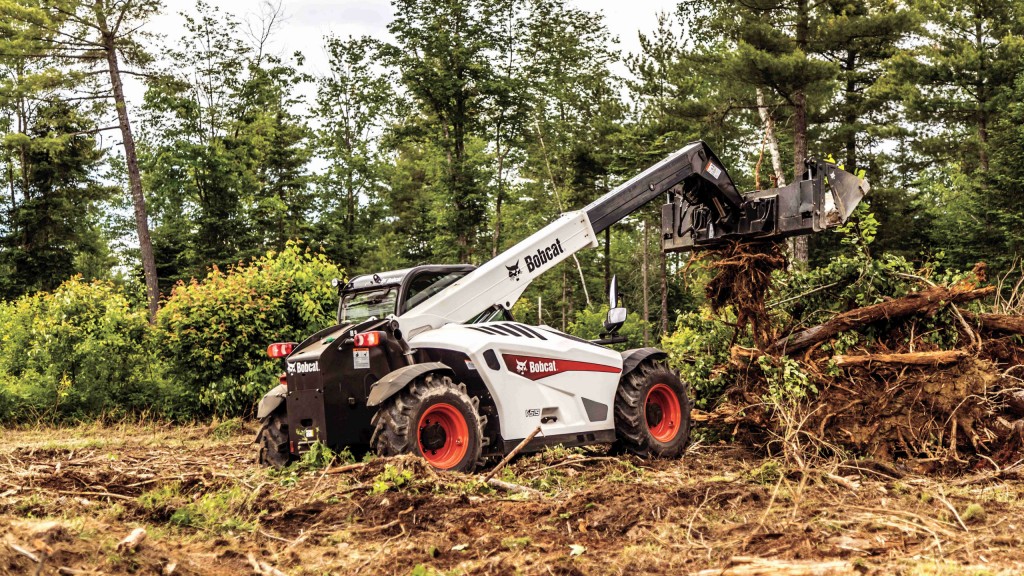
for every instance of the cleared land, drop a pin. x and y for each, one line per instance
(67, 497)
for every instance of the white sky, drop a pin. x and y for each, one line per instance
(307, 22)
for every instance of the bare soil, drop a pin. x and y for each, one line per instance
(67, 497)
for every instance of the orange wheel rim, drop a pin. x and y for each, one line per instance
(443, 436)
(664, 413)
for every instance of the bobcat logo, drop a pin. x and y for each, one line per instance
(514, 271)
(521, 366)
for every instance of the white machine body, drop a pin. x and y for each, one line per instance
(536, 376)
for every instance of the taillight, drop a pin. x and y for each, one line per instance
(283, 379)
(280, 349)
(367, 339)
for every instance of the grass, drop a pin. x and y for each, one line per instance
(226, 510)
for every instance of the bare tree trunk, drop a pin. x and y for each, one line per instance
(643, 268)
(565, 298)
(664, 295)
(132, 163)
(608, 262)
(771, 138)
(800, 249)
(773, 149)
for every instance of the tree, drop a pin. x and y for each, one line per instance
(226, 156)
(959, 75)
(51, 227)
(441, 52)
(355, 103)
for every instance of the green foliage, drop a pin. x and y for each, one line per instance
(78, 353)
(392, 478)
(699, 349)
(228, 510)
(589, 325)
(214, 333)
(319, 456)
(787, 382)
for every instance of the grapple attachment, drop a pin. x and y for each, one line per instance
(824, 197)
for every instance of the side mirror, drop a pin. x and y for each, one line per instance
(616, 315)
(616, 318)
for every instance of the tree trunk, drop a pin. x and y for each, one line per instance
(646, 288)
(923, 302)
(132, 163)
(771, 139)
(496, 239)
(608, 262)
(664, 294)
(799, 245)
(851, 118)
(997, 322)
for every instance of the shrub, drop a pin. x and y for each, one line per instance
(699, 349)
(77, 353)
(589, 324)
(214, 333)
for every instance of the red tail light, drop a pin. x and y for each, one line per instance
(367, 339)
(283, 379)
(280, 349)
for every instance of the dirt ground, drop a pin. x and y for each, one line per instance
(67, 497)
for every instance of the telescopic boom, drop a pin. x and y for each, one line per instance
(704, 210)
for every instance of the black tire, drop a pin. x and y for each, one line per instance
(403, 424)
(641, 426)
(273, 440)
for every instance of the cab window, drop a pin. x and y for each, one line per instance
(427, 284)
(366, 304)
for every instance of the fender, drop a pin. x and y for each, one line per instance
(394, 382)
(632, 358)
(271, 400)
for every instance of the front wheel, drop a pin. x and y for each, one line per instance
(433, 418)
(652, 412)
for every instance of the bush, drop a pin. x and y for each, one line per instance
(699, 349)
(589, 324)
(77, 353)
(214, 333)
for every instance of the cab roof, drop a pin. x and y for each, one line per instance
(396, 277)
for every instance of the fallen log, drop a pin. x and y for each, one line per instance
(997, 322)
(935, 358)
(924, 302)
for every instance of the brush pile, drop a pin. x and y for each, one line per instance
(875, 360)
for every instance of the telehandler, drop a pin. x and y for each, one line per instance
(428, 360)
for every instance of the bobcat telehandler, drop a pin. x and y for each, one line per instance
(428, 360)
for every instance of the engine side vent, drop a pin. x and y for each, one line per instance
(508, 329)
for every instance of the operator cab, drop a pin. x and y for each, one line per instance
(398, 291)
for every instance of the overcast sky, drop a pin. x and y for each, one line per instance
(306, 22)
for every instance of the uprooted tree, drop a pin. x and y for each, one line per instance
(863, 358)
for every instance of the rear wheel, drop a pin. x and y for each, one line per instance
(433, 418)
(652, 412)
(273, 440)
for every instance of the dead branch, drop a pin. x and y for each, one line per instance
(131, 542)
(935, 358)
(924, 302)
(746, 566)
(514, 488)
(997, 322)
(512, 454)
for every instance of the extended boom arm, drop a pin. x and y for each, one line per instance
(704, 210)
